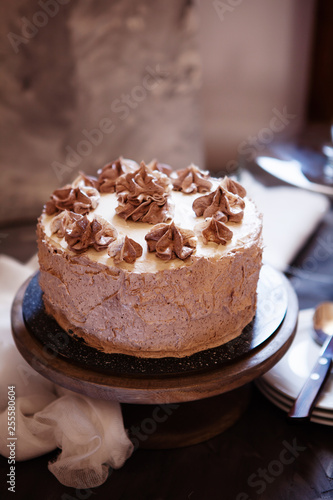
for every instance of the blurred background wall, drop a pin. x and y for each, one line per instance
(256, 59)
(85, 81)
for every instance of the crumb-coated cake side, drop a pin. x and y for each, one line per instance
(145, 261)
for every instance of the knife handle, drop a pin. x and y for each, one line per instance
(305, 401)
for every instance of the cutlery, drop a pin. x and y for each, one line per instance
(290, 171)
(323, 334)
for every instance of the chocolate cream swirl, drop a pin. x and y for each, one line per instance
(143, 196)
(62, 222)
(170, 241)
(80, 200)
(233, 187)
(125, 249)
(213, 230)
(223, 203)
(80, 233)
(154, 165)
(109, 174)
(192, 180)
(84, 180)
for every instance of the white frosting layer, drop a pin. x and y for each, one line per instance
(184, 217)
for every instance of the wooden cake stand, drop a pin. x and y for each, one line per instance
(166, 402)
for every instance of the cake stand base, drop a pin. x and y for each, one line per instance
(184, 424)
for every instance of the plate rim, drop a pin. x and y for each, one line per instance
(303, 317)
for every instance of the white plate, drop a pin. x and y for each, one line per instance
(290, 373)
(288, 402)
(286, 407)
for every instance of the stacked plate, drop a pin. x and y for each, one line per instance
(283, 382)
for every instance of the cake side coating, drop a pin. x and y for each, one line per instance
(150, 307)
(167, 313)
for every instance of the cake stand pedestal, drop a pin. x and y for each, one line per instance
(166, 410)
(184, 424)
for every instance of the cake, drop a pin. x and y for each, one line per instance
(150, 262)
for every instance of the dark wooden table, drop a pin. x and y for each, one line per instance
(263, 456)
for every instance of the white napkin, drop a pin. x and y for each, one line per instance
(290, 217)
(89, 432)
